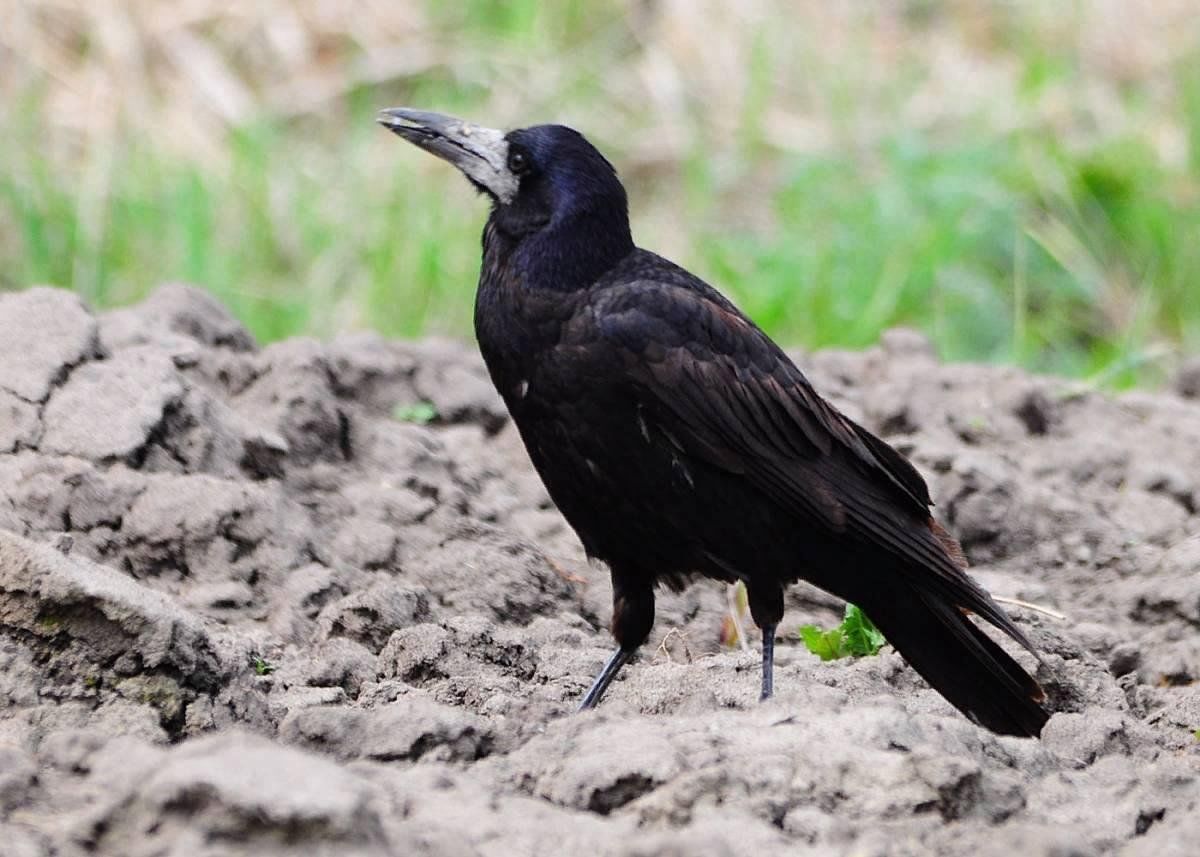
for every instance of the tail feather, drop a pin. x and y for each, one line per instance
(961, 662)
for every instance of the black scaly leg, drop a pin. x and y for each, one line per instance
(766, 608)
(607, 673)
(768, 662)
(633, 616)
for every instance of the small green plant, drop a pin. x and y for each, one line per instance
(262, 666)
(856, 636)
(420, 413)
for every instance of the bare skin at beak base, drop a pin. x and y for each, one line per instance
(480, 153)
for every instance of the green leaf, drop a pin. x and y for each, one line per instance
(856, 636)
(261, 666)
(418, 412)
(861, 635)
(826, 645)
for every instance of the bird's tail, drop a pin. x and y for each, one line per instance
(960, 661)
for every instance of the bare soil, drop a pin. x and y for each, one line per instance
(246, 610)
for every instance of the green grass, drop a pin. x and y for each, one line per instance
(292, 242)
(1006, 250)
(1003, 245)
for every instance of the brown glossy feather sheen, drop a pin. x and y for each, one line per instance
(679, 440)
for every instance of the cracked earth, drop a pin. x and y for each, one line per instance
(246, 610)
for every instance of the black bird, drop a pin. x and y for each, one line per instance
(678, 439)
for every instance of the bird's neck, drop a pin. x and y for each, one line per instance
(567, 254)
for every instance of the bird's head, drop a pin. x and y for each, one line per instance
(537, 178)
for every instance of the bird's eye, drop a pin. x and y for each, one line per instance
(518, 161)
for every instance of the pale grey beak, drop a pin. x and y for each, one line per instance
(481, 153)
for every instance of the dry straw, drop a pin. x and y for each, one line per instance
(188, 70)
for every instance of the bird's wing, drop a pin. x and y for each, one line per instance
(735, 395)
(721, 390)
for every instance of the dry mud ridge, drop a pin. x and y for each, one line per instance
(244, 609)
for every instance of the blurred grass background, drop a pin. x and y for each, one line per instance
(1020, 180)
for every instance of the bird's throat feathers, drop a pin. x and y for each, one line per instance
(570, 251)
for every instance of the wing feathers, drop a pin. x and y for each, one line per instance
(732, 398)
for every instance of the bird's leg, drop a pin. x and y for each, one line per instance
(633, 617)
(768, 662)
(607, 673)
(766, 608)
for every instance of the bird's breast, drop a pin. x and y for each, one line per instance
(516, 327)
